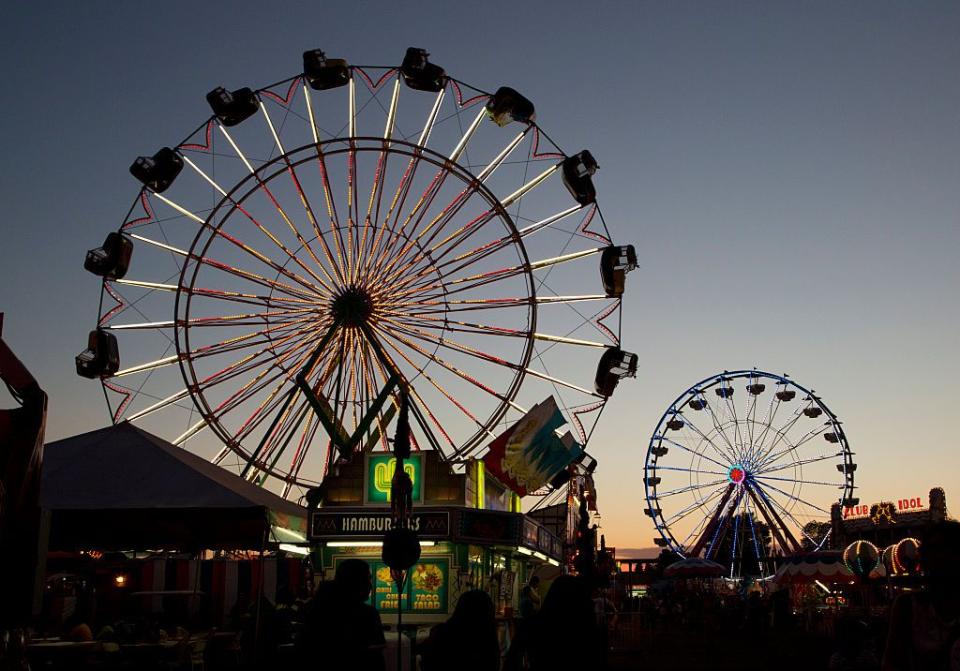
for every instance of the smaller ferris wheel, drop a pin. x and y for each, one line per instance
(743, 467)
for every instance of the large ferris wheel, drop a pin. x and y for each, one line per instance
(743, 467)
(319, 246)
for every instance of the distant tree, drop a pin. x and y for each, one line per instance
(814, 533)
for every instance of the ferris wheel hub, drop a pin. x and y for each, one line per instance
(737, 474)
(353, 306)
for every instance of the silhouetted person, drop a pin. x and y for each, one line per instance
(853, 649)
(563, 635)
(530, 597)
(468, 640)
(925, 626)
(342, 631)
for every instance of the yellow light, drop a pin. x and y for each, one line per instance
(481, 483)
(120, 580)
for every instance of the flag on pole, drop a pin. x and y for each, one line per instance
(528, 454)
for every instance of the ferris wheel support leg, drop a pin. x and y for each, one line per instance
(711, 527)
(721, 532)
(338, 435)
(777, 527)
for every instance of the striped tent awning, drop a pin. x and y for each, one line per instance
(695, 567)
(826, 566)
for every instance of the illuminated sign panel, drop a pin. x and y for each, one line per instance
(907, 505)
(379, 474)
(426, 592)
(372, 524)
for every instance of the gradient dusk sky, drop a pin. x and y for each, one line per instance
(789, 173)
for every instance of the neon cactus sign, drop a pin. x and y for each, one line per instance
(379, 473)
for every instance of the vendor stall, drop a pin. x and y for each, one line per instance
(471, 532)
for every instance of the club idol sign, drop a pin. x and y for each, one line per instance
(906, 505)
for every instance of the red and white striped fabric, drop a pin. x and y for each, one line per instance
(827, 567)
(695, 567)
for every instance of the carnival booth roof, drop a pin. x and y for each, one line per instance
(826, 566)
(123, 488)
(694, 567)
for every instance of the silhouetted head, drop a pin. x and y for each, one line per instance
(534, 581)
(353, 579)
(939, 552)
(568, 598)
(474, 610)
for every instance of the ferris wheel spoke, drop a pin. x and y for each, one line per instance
(773, 457)
(429, 378)
(690, 470)
(483, 329)
(758, 445)
(792, 497)
(218, 294)
(295, 420)
(799, 481)
(447, 213)
(279, 287)
(691, 451)
(489, 358)
(477, 254)
(488, 303)
(415, 407)
(306, 284)
(779, 506)
(800, 462)
(691, 488)
(393, 334)
(466, 284)
(332, 216)
(731, 457)
(780, 434)
(697, 504)
(751, 514)
(149, 365)
(717, 425)
(401, 259)
(403, 188)
(738, 437)
(271, 339)
(307, 207)
(159, 405)
(376, 192)
(749, 414)
(192, 431)
(262, 185)
(306, 440)
(279, 353)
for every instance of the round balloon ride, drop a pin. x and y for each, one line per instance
(862, 558)
(319, 244)
(742, 468)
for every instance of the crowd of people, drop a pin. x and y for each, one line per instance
(340, 628)
(572, 625)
